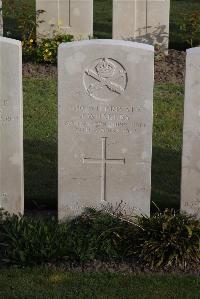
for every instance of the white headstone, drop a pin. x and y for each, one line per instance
(145, 21)
(11, 127)
(73, 17)
(1, 19)
(190, 197)
(105, 126)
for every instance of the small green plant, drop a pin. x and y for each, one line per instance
(26, 241)
(44, 50)
(20, 20)
(169, 238)
(191, 28)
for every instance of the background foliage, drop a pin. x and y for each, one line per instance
(19, 20)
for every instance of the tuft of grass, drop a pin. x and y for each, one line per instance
(170, 239)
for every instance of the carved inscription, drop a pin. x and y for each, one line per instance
(5, 116)
(64, 13)
(102, 119)
(194, 205)
(105, 79)
(3, 198)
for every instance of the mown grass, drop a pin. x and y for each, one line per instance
(103, 18)
(40, 143)
(56, 283)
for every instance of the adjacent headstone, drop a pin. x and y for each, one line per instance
(11, 127)
(1, 19)
(190, 197)
(73, 17)
(145, 21)
(105, 126)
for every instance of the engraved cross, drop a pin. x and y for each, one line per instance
(60, 8)
(103, 162)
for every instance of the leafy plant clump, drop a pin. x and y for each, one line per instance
(170, 239)
(44, 50)
(190, 27)
(164, 239)
(21, 22)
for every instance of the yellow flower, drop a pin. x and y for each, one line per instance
(31, 40)
(46, 50)
(49, 53)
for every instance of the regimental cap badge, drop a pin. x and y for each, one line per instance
(105, 68)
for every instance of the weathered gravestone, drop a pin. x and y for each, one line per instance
(11, 126)
(145, 21)
(190, 197)
(1, 19)
(65, 16)
(105, 126)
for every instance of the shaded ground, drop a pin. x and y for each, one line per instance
(168, 68)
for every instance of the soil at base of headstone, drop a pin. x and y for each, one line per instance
(133, 267)
(168, 68)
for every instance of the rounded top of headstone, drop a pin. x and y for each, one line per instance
(108, 42)
(10, 41)
(193, 50)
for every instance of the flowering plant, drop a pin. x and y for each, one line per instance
(44, 50)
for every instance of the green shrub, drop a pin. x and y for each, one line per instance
(44, 50)
(99, 235)
(26, 241)
(47, 48)
(190, 27)
(170, 239)
(23, 23)
(20, 21)
(165, 239)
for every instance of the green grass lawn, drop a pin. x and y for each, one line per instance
(40, 143)
(43, 283)
(13, 10)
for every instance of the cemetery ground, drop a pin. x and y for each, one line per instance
(40, 158)
(86, 280)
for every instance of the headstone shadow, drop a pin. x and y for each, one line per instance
(166, 179)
